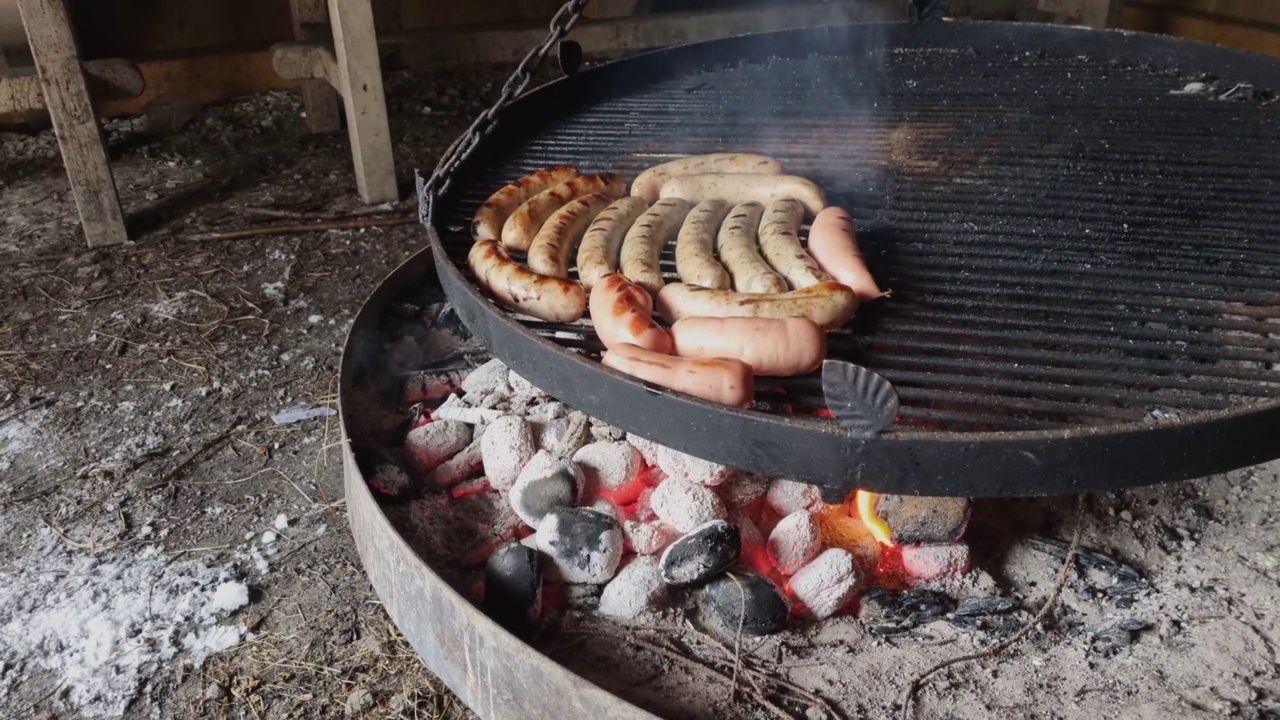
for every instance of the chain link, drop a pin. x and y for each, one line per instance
(436, 185)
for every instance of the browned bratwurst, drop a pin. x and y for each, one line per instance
(488, 220)
(720, 380)
(523, 290)
(520, 227)
(828, 304)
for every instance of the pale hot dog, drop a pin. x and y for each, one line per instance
(775, 347)
(721, 380)
(833, 243)
(621, 312)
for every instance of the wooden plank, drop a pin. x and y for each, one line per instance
(320, 100)
(1091, 13)
(106, 80)
(1248, 11)
(1253, 37)
(433, 48)
(355, 44)
(84, 154)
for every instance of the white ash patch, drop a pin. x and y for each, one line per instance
(827, 583)
(430, 445)
(647, 538)
(684, 505)
(636, 590)
(490, 377)
(690, 468)
(648, 448)
(507, 446)
(788, 496)
(522, 386)
(20, 435)
(611, 469)
(795, 540)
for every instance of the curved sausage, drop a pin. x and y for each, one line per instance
(523, 290)
(695, 262)
(643, 243)
(775, 347)
(828, 304)
(622, 313)
(741, 187)
(554, 241)
(518, 230)
(598, 253)
(739, 251)
(648, 183)
(486, 224)
(833, 243)
(780, 244)
(721, 380)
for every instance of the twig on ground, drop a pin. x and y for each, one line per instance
(29, 496)
(299, 228)
(41, 403)
(173, 474)
(908, 700)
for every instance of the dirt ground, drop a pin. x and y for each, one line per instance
(141, 472)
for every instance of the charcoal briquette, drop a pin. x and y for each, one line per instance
(513, 588)
(747, 599)
(701, 554)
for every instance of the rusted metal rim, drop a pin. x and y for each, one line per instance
(497, 675)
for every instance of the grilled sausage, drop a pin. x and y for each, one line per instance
(486, 224)
(518, 230)
(551, 246)
(740, 252)
(598, 253)
(833, 243)
(622, 313)
(720, 380)
(695, 261)
(828, 304)
(523, 290)
(741, 187)
(776, 347)
(780, 244)
(644, 241)
(648, 183)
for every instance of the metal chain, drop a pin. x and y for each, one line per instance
(436, 185)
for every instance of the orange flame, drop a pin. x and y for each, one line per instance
(878, 527)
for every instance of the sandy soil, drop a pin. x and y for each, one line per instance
(136, 389)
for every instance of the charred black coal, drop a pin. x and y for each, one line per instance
(747, 599)
(701, 554)
(513, 588)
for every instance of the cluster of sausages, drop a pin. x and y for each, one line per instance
(752, 300)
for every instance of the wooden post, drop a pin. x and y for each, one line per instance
(1102, 13)
(84, 154)
(319, 99)
(359, 71)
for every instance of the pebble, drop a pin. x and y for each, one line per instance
(583, 546)
(612, 470)
(507, 446)
(701, 554)
(747, 599)
(214, 691)
(647, 538)
(827, 583)
(543, 487)
(692, 469)
(637, 588)
(795, 540)
(430, 445)
(648, 448)
(359, 701)
(788, 496)
(684, 506)
(513, 587)
(489, 378)
(930, 562)
(1126, 516)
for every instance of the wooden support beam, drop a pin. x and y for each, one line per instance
(1091, 13)
(1254, 36)
(84, 154)
(107, 80)
(359, 71)
(319, 99)
(305, 61)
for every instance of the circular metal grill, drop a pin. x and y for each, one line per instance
(1081, 230)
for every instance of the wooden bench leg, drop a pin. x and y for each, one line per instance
(359, 80)
(319, 99)
(84, 153)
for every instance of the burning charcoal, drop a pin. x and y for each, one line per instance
(647, 538)
(648, 448)
(601, 505)
(840, 530)
(490, 377)
(513, 588)
(747, 600)
(637, 587)
(539, 490)
(642, 508)
(506, 447)
(582, 545)
(430, 445)
(684, 506)
(582, 597)
(389, 479)
(744, 491)
(788, 496)
(930, 562)
(754, 552)
(522, 386)
(563, 436)
(692, 469)
(465, 465)
(827, 583)
(795, 540)
(1113, 636)
(612, 470)
(420, 386)
(603, 432)
(913, 519)
(701, 554)
(456, 409)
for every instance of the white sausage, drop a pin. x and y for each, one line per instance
(695, 261)
(598, 253)
(549, 251)
(648, 183)
(520, 227)
(739, 251)
(742, 187)
(643, 243)
(780, 244)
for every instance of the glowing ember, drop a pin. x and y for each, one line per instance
(867, 513)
